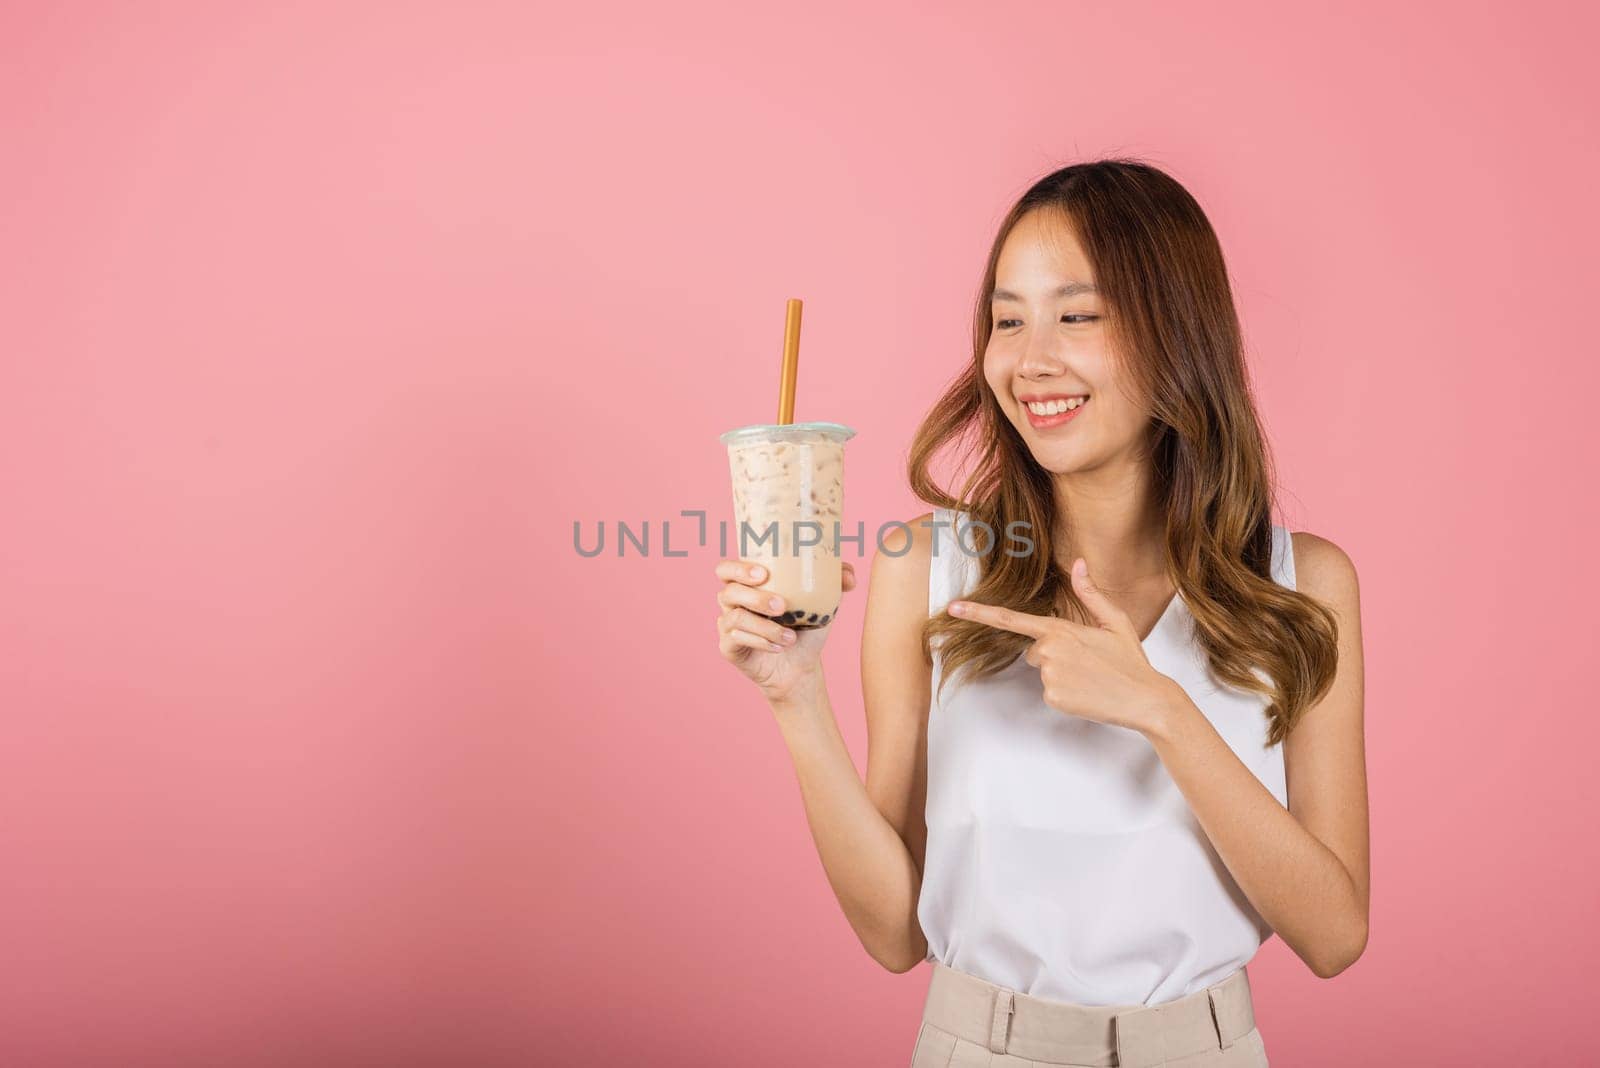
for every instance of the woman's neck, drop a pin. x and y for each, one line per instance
(1114, 522)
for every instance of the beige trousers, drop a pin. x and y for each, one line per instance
(969, 1023)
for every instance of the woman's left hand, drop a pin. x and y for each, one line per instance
(1099, 673)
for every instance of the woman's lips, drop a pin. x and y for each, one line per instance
(1045, 422)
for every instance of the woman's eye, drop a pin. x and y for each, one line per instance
(1006, 324)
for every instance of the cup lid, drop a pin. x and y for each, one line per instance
(788, 432)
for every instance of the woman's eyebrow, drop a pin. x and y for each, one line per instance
(1071, 289)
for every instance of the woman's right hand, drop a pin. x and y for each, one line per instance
(778, 659)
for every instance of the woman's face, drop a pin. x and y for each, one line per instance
(1050, 343)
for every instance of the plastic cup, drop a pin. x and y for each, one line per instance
(788, 502)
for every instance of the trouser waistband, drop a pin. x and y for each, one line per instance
(1128, 1036)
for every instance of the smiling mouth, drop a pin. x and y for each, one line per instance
(1054, 411)
(1056, 405)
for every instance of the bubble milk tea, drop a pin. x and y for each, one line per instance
(788, 502)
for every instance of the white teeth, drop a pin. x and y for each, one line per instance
(1056, 407)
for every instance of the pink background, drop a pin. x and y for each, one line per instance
(320, 325)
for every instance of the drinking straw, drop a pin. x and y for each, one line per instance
(791, 361)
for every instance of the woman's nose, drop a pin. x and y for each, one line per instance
(1038, 356)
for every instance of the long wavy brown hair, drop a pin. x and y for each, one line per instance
(1177, 343)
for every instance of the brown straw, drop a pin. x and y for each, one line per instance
(791, 362)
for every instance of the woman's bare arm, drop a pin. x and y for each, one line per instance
(870, 837)
(1305, 869)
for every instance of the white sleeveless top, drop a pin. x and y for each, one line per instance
(1062, 860)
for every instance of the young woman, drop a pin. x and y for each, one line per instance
(1114, 710)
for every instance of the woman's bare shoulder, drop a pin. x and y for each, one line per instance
(1322, 569)
(900, 564)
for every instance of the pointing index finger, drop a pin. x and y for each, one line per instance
(1003, 618)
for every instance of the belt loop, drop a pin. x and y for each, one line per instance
(1223, 1040)
(1000, 1026)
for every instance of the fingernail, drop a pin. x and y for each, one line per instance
(758, 573)
(788, 636)
(957, 608)
(775, 647)
(775, 604)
